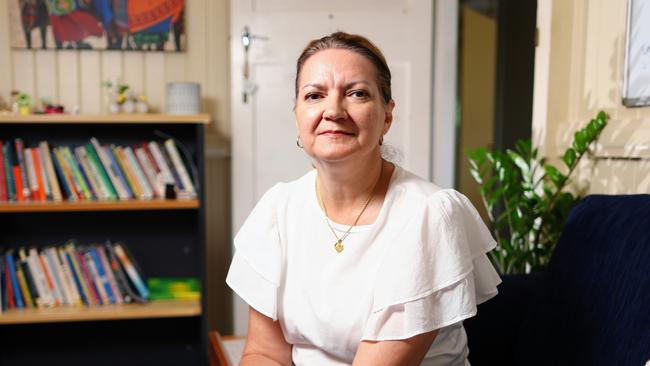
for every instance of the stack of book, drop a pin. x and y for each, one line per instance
(70, 275)
(92, 172)
(174, 288)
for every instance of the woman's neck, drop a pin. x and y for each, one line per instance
(344, 187)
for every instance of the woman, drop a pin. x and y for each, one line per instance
(359, 261)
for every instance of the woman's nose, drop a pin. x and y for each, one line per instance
(335, 109)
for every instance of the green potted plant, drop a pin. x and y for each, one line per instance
(526, 198)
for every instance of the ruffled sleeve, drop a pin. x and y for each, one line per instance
(256, 266)
(436, 273)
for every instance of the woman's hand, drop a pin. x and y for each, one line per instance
(410, 351)
(265, 344)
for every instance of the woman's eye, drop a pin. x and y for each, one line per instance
(312, 96)
(359, 94)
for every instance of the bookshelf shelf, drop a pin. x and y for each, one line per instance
(106, 118)
(90, 206)
(154, 309)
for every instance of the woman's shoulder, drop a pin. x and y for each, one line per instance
(282, 193)
(417, 190)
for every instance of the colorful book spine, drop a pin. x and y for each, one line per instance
(130, 294)
(39, 279)
(180, 168)
(20, 149)
(172, 169)
(68, 276)
(111, 170)
(3, 298)
(3, 177)
(131, 271)
(92, 289)
(101, 251)
(73, 186)
(150, 172)
(31, 174)
(42, 196)
(84, 293)
(57, 275)
(18, 297)
(49, 276)
(118, 171)
(22, 283)
(41, 166)
(18, 177)
(102, 275)
(9, 294)
(9, 172)
(92, 176)
(69, 191)
(29, 277)
(94, 275)
(77, 173)
(101, 169)
(160, 161)
(129, 175)
(137, 169)
(46, 157)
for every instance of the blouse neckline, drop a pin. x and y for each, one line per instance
(342, 228)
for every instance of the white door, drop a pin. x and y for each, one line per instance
(263, 127)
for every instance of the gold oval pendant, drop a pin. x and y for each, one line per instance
(338, 246)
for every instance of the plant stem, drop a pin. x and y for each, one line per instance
(555, 196)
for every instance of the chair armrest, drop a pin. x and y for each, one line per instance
(217, 353)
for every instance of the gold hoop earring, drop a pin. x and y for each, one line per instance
(298, 143)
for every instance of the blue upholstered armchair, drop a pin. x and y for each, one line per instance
(591, 306)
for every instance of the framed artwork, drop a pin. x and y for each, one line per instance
(636, 79)
(139, 25)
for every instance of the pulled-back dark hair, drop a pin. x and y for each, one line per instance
(354, 43)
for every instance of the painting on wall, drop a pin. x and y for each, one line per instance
(139, 25)
(636, 79)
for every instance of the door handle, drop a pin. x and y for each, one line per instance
(246, 38)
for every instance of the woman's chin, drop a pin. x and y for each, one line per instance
(334, 155)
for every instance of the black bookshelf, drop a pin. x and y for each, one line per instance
(167, 242)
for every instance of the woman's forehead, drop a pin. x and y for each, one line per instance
(336, 66)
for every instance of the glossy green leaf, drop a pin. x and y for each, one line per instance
(569, 157)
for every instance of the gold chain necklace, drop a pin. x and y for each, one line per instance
(338, 246)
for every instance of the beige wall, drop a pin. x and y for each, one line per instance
(585, 74)
(73, 77)
(477, 89)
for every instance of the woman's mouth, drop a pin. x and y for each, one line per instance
(335, 133)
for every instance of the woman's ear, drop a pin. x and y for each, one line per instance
(388, 119)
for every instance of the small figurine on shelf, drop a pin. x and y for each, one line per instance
(50, 108)
(23, 102)
(122, 99)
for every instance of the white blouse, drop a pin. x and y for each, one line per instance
(420, 266)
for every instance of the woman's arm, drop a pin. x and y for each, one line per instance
(265, 344)
(410, 351)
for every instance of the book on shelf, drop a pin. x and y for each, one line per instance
(133, 273)
(174, 288)
(49, 167)
(20, 153)
(93, 171)
(70, 275)
(11, 266)
(3, 178)
(180, 167)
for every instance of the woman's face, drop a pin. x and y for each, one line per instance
(340, 113)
